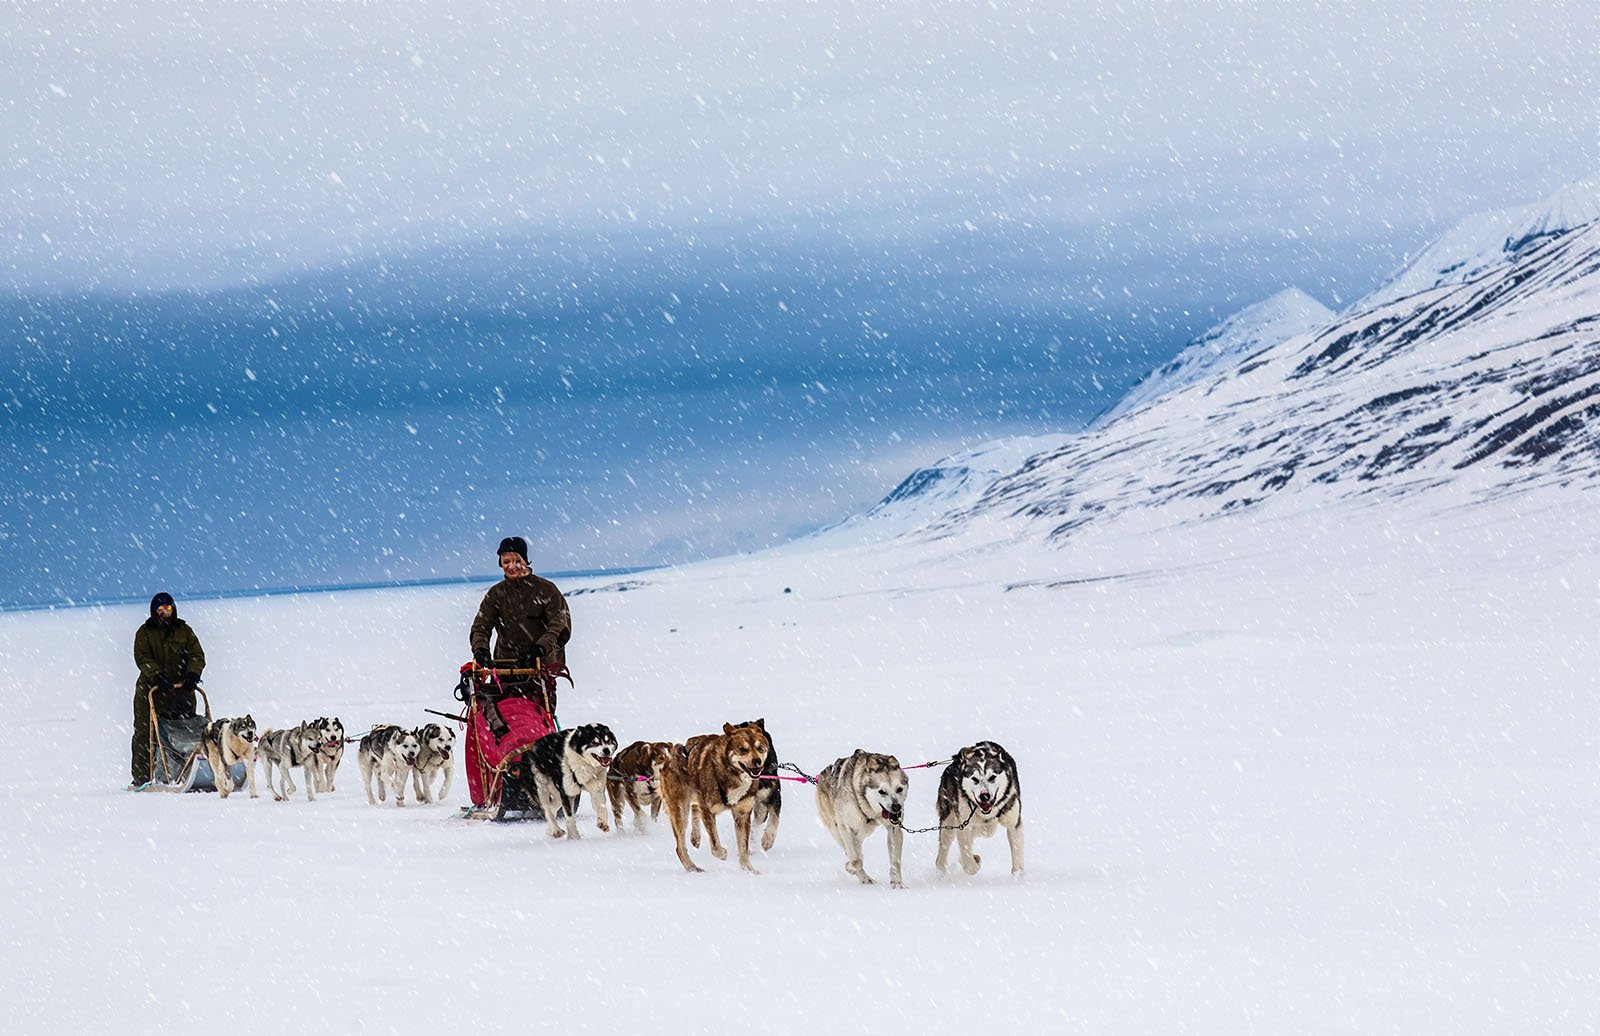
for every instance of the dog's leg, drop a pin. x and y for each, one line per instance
(400, 786)
(367, 766)
(970, 861)
(897, 841)
(770, 834)
(550, 804)
(694, 827)
(265, 762)
(308, 774)
(419, 784)
(673, 799)
(597, 794)
(717, 850)
(249, 760)
(1014, 836)
(946, 837)
(614, 796)
(449, 774)
(223, 778)
(570, 807)
(850, 838)
(741, 832)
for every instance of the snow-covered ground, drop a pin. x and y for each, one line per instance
(1330, 773)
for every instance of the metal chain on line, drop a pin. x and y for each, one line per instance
(938, 827)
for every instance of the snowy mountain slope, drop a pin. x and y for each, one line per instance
(1252, 329)
(948, 484)
(1489, 241)
(1483, 387)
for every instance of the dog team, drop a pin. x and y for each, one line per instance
(386, 752)
(695, 782)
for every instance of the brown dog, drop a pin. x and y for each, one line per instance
(633, 780)
(719, 773)
(769, 793)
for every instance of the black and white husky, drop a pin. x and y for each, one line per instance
(978, 793)
(293, 746)
(435, 756)
(387, 752)
(855, 796)
(566, 764)
(331, 753)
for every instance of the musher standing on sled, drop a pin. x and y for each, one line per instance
(170, 662)
(529, 620)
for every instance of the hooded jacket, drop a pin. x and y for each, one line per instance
(169, 648)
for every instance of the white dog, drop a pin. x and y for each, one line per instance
(388, 752)
(332, 751)
(855, 796)
(434, 757)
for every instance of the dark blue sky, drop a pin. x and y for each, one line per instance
(313, 293)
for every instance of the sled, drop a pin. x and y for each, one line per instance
(503, 720)
(177, 763)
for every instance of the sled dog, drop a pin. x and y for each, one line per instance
(566, 764)
(387, 752)
(769, 794)
(719, 773)
(293, 746)
(229, 741)
(624, 785)
(332, 752)
(433, 758)
(979, 792)
(856, 795)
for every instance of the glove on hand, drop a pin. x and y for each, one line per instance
(481, 657)
(191, 681)
(161, 683)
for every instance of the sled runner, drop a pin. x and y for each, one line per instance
(177, 763)
(508, 709)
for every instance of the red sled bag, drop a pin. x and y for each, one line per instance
(494, 740)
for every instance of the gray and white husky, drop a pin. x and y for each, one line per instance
(331, 751)
(436, 756)
(855, 796)
(287, 748)
(387, 752)
(978, 793)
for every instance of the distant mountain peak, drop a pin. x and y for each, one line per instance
(1256, 327)
(1487, 241)
(1471, 392)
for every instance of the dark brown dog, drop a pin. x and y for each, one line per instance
(718, 773)
(633, 780)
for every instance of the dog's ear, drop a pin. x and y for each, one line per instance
(762, 723)
(727, 728)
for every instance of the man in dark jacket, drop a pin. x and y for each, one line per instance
(170, 662)
(526, 613)
(530, 622)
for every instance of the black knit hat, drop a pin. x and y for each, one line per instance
(513, 545)
(163, 598)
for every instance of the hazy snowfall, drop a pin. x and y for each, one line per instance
(303, 306)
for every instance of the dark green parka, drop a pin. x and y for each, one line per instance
(523, 613)
(170, 648)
